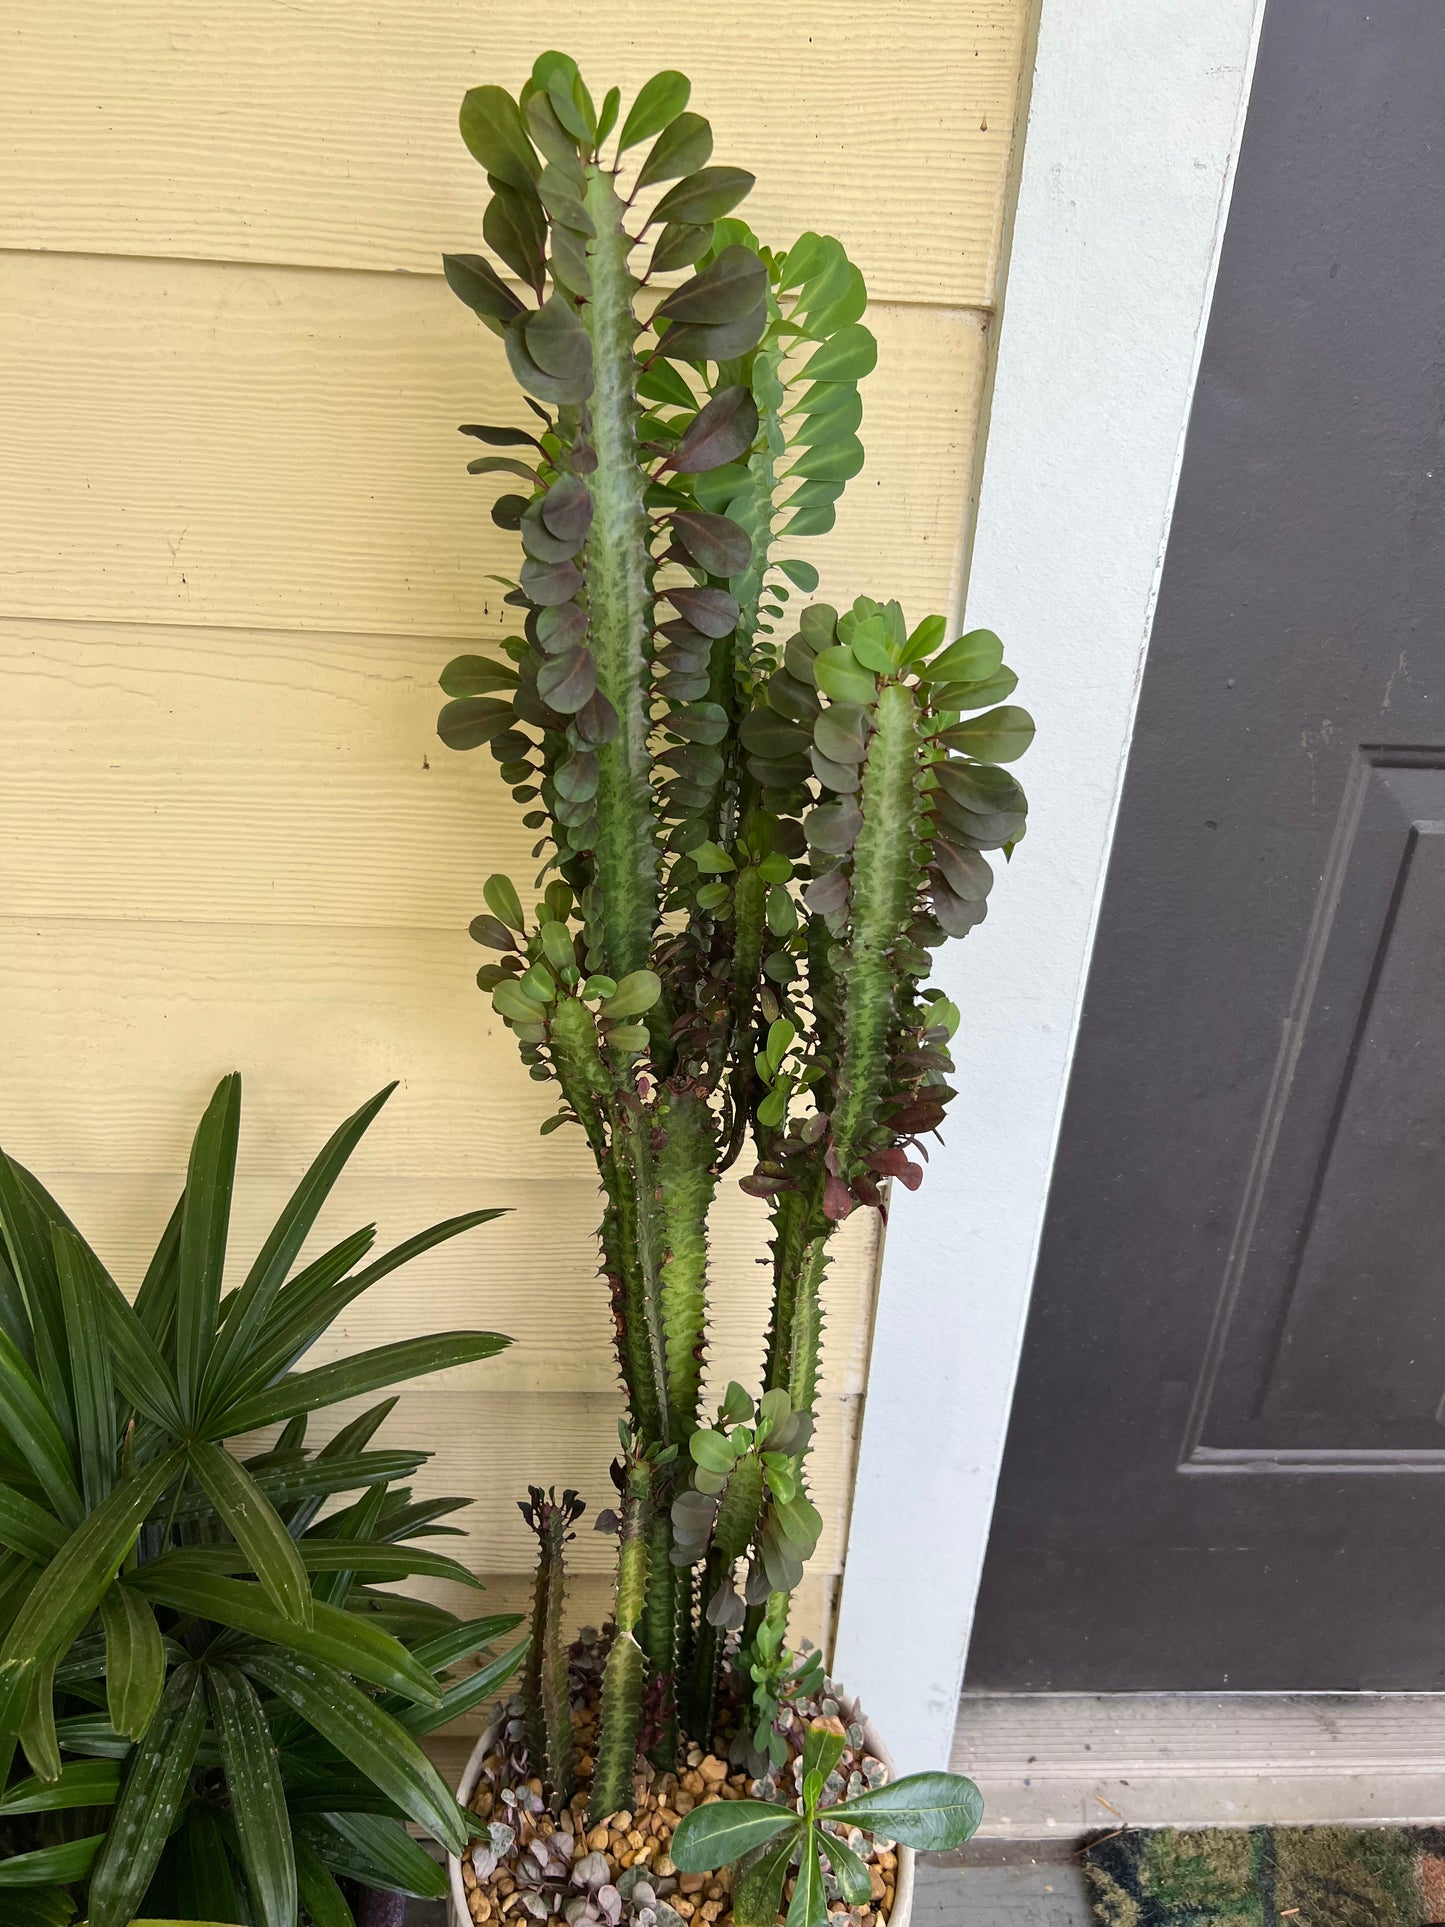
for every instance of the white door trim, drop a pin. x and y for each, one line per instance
(1135, 117)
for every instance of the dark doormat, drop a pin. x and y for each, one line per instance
(1269, 1877)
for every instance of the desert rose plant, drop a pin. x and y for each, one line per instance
(752, 827)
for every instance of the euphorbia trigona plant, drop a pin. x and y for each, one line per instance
(752, 830)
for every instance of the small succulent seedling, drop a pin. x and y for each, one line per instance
(763, 1840)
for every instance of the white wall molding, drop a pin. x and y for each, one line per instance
(1135, 116)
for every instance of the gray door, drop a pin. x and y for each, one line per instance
(1226, 1465)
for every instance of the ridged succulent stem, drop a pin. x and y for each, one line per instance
(798, 1224)
(616, 563)
(623, 1674)
(737, 1521)
(668, 1598)
(631, 1181)
(546, 1698)
(884, 883)
(686, 1182)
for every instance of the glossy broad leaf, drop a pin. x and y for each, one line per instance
(930, 1812)
(659, 102)
(716, 1835)
(724, 429)
(758, 1882)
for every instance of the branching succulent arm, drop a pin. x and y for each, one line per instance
(750, 832)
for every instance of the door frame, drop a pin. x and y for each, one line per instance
(1135, 115)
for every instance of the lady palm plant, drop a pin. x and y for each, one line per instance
(218, 1704)
(751, 831)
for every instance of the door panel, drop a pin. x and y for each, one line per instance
(1223, 1465)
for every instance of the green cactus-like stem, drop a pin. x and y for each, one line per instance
(630, 1178)
(546, 1699)
(737, 1521)
(884, 886)
(619, 597)
(624, 1672)
(668, 1600)
(686, 1182)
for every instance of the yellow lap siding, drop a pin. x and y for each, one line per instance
(325, 133)
(273, 448)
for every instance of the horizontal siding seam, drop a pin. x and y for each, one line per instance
(389, 274)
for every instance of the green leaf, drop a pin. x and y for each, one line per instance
(93, 1393)
(320, 1895)
(849, 356)
(801, 574)
(711, 1451)
(258, 1802)
(135, 1660)
(473, 279)
(72, 1860)
(822, 1748)
(849, 1871)
(71, 1587)
(930, 1812)
(758, 1882)
(155, 1785)
(202, 1883)
(82, 1783)
(836, 460)
(715, 543)
(136, 1359)
(365, 1372)
(502, 900)
(155, 1302)
(972, 658)
(25, 1418)
(637, 992)
(721, 431)
(389, 1854)
(472, 1691)
(842, 677)
(979, 787)
(336, 1638)
(809, 1905)
(25, 1223)
(205, 1219)
(684, 144)
(380, 1561)
(514, 226)
(491, 126)
(707, 195)
(729, 287)
(37, 1727)
(27, 1528)
(476, 676)
(999, 736)
(256, 1526)
(659, 101)
(460, 1642)
(273, 1263)
(342, 1714)
(716, 1835)
(41, 1907)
